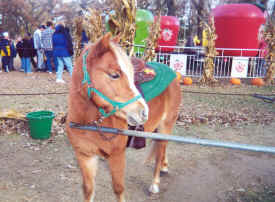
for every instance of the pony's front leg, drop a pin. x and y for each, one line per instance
(117, 168)
(88, 167)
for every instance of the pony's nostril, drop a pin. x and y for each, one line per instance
(144, 115)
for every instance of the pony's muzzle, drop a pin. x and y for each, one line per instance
(137, 118)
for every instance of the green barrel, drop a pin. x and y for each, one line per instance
(144, 18)
(40, 123)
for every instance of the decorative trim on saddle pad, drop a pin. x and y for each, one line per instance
(164, 76)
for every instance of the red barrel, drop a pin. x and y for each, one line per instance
(237, 26)
(169, 26)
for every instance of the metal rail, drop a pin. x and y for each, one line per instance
(187, 140)
(222, 62)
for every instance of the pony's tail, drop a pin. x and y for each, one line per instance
(152, 152)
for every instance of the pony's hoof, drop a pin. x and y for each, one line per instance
(163, 173)
(154, 189)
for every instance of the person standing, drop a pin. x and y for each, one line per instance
(38, 47)
(33, 54)
(5, 51)
(13, 54)
(12, 51)
(62, 49)
(27, 53)
(84, 39)
(19, 49)
(47, 45)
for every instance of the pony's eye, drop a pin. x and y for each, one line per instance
(114, 75)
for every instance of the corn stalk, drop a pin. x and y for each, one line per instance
(77, 36)
(93, 25)
(269, 37)
(123, 22)
(210, 53)
(12, 114)
(152, 41)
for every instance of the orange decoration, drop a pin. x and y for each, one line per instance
(178, 76)
(187, 81)
(257, 82)
(235, 81)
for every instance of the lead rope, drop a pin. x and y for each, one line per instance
(98, 127)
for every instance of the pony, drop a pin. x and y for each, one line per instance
(102, 92)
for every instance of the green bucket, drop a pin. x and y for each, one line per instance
(40, 124)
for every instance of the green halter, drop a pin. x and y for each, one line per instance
(116, 105)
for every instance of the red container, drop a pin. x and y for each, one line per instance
(237, 26)
(169, 26)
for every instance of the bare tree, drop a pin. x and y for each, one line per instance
(15, 14)
(24, 15)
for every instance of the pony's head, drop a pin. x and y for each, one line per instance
(109, 75)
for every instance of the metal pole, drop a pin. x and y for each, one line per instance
(188, 140)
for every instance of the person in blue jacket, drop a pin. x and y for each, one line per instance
(62, 50)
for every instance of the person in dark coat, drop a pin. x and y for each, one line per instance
(62, 43)
(69, 40)
(84, 39)
(33, 54)
(19, 50)
(27, 53)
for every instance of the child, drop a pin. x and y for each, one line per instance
(27, 53)
(5, 51)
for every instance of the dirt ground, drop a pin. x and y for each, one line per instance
(46, 171)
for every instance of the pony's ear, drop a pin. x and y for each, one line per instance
(103, 45)
(116, 39)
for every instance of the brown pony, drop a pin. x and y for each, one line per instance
(107, 70)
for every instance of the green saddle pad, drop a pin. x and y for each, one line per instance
(164, 76)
